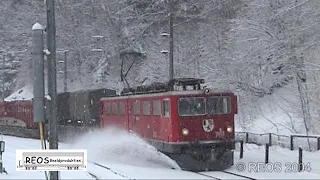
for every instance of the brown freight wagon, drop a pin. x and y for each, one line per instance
(81, 108)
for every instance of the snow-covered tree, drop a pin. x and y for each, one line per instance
(271, 43)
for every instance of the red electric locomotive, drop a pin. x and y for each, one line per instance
(192, 124)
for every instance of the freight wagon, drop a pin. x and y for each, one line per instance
(75, 112)
(81, 107)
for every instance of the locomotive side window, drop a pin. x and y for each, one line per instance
(146, 108)
(136, 108)
(219, 105)
(166, 108)
(156, 107)
(121, 108)
(107, 108)
(192, 106)
(114, 108)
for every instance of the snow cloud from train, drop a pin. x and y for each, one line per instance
(118, 146)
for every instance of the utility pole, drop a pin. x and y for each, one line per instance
(2, 147)
(38, 73)
(171, 71)
(52, 79)
(3, 74)
(65, 71)
(38, 80)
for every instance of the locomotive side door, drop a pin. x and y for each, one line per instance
(128, 114)
(134, 111)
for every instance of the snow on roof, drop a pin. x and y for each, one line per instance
(25, 93)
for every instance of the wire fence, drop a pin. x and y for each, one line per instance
(309, 143)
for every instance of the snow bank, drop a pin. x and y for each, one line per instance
(120, 146)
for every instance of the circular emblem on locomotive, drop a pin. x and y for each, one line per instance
(207, 125)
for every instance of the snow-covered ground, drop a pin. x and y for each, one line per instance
(130, 157)
(254, 157)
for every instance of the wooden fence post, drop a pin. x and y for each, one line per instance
(270, 139)
(291, 142)
(267, 154)
(247, 137)
(300, 159)
(241, 149)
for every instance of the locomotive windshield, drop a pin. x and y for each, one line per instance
(192, 106)
(218, 105)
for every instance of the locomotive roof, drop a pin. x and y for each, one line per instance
(87, 90)
(170, 93)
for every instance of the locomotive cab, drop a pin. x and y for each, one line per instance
(203, 126)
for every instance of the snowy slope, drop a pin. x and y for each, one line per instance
(130, 157)
(279, 113)
(277, 122)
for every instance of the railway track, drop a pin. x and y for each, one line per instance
(108, 169)
(220, 175)
(239, 175)
(206, 175)
(94, 176)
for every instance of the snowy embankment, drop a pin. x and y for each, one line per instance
(131, 157)
(279, 113)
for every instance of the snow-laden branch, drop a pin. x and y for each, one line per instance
(290, 8)
(203, 13)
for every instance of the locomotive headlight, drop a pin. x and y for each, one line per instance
(229, 129)
(206, 91)
(185, 131)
